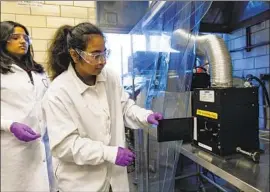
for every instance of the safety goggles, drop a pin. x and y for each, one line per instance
(94, 58)
(17, 36)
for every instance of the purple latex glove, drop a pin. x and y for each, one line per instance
(124, 157)
(153, 118)
(23, 132)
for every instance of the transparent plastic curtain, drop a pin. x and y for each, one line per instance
(167, 75)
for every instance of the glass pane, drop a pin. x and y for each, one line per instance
(160, 80)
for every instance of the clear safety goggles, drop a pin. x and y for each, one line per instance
(18, 37)
(94, 58)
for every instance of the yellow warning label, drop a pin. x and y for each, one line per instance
(207, 114)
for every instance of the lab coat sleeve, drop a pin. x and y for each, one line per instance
(135, 117)
(65, 142)
(5, 124)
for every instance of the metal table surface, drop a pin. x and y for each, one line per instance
(240, 172)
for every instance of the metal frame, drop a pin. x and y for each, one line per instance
(230, 27)
(249, 46)
(201, 176)
(192, 153)
(248, 39)
(214, 28)
(251, 21)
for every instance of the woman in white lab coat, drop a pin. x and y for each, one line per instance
(86, 109)
(23, 83)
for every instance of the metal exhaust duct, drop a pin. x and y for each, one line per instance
(214, 48)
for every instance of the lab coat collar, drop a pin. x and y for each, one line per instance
(16, 68)
(81, 85)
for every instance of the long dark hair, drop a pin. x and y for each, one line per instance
(65, 38)
(6, 59)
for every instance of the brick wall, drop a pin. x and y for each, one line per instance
(43, 20)
(255, 62)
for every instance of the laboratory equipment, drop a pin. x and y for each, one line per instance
(227, 118)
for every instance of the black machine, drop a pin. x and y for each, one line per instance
(224, 122)
(227, 120)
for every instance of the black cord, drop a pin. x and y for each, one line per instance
(251, 77)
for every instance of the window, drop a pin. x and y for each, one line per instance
(120, 46)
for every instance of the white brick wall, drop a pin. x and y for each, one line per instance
(40, 45)
(6, 17)
(238, 42)
(50, 10)
(85, 4)
(262, 62)
(77, 21)
(243, 63)
(12, 7)
(31, 21)
(255, 62)
(54, 22)
(42, 21)
(43, 33)
(78, 12)
(59, 2)
(260, 36)
(40, 56)
(92, 13)
(257, 51)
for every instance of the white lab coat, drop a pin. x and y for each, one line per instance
(86, 126)
(23, 164)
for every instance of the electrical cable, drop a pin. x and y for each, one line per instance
(251, 77)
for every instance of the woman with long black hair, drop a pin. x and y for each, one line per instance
(86, 109)
(23, 84)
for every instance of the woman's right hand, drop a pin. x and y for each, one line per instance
(23, 132)
(124, 157)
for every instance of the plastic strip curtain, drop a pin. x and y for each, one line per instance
(166, 75)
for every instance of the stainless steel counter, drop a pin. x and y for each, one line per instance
(240, 172)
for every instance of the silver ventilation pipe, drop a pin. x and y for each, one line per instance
(214, 48)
